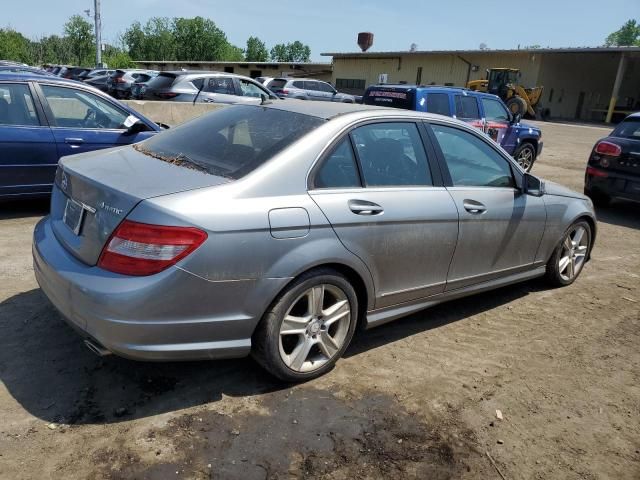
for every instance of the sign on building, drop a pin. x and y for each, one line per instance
(383, 78)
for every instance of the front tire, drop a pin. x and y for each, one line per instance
(308, 328)
(525, 155)
(570, 255)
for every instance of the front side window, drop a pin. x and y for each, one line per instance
(471, 161)
(16, 105)
(438, 103)
(308, 85)
(494, 110)
(339, 169)
(230, 142)
(325, 87)
(79, 109)
(251, 90)
(222, 85)
(467, 107)
(391, 154)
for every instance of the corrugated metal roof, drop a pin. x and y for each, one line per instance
(487, 51)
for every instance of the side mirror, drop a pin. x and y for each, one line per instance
(533, 185)
(134, 125)
(515, 118)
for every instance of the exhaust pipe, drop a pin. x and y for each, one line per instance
(96, 348)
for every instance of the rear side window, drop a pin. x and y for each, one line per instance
(339, 169)
(16, 105)
(391, 154)
(438, 103)
(230, 142)
(467, 107)
(470, 161)
(222, 85)
(299, 84)
(389, 97)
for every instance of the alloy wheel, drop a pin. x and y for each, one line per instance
(574, 253)
(525, 159)
(314, 328)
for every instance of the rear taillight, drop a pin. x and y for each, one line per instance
(594, 172)
(607, 148)
(142, 249)
(167, 94)
(284, 92)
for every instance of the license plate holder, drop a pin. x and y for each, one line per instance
(73, 215)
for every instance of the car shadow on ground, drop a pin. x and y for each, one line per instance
(24, 208)
(621, 213)
(48, 371)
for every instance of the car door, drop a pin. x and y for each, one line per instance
(82, 121)
(313, 91)
(382, 193)
(28, 155)
(218, 90)
(329, 93)
(500, 226)
(497, 123)
(251, 93)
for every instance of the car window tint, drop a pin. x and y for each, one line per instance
(277, 83)
(467, 107)
(222, 85)
(494, 110)
(339, 169)
(79, 109)
(299, 84)
(391, 154)
(629, 128)
(438, 103)
(16, 105)
(325, 87)
(311, 85)
(471, 161)
(251, 90)
(230, 142)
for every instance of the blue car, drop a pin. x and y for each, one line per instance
(43, 118)
(482, 110)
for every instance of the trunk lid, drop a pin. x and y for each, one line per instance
(104, 186)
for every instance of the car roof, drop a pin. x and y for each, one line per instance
(634, 115)
(328, 110)
(26, 77)
(433, 89)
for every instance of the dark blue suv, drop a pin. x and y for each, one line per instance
(43, 118)
(482, 110)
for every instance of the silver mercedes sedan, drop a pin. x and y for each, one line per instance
(275, 230)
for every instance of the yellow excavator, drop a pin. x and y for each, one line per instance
(503, 82)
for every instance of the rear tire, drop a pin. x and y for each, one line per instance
(570, 255)
(517, 105)
(321, 312)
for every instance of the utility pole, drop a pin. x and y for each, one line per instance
(96, 10)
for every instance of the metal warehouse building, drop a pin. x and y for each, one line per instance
(579, 83)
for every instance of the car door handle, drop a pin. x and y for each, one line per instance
(74, 141)
(363, 207)
(474, 207)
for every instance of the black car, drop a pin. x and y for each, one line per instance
(613, 170)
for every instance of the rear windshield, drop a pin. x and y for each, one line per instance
(630, 128)
(230, 142)
(386, 97)
(277, 83)
(164, 80)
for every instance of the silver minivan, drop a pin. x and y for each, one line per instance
(308, 89)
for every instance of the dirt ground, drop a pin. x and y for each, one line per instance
(413, 399)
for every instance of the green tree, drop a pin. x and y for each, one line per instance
(233, 54)
(199, 39)
(291, 52)
(116, 58)
(627, 35)
(159, 41)
(14, 46)
(256, 50)
(79, 33)
(135, 40)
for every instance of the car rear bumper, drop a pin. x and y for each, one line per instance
(614, 184)
(173, 315)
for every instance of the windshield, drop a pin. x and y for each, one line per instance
(230, 142)
(630, 128)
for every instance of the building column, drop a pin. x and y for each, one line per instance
(616, 87)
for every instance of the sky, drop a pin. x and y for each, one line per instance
(332, 25)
